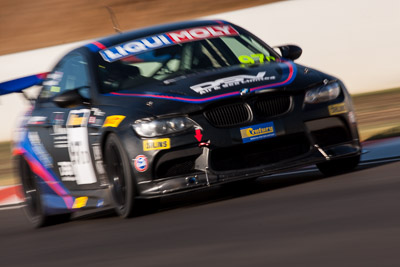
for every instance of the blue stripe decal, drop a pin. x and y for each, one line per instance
(17, 85)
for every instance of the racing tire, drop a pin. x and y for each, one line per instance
(120, 177)
(339, 166)
(33, 206)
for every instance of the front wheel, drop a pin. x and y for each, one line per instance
(120, 176)
(339, 166)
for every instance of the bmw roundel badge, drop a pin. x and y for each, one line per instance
(244, 91)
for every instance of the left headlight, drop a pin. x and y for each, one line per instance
(323, 93)
(152, 128)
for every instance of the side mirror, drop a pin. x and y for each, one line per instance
(291, 52)
(70, 98)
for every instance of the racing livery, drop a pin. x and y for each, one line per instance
(170, 109)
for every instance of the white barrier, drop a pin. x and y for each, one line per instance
(23, 64)
(354, 40)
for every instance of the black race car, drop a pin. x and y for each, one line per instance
(175, 108)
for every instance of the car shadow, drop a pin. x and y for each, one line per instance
(231, 191)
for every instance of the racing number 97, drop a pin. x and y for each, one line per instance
(250, 59)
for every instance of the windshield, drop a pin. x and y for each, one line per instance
(137, 63)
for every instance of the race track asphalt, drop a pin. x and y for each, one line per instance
(294, 220)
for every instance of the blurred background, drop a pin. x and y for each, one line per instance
(27, 25)
(354, 40)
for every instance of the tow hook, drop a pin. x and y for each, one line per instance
(205, 146)
(322, 152)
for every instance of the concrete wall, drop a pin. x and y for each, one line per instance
(355, 40)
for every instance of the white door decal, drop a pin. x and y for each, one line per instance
(78, 146)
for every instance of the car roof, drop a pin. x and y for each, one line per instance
(148, 31)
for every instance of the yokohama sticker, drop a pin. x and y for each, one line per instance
(141, 163)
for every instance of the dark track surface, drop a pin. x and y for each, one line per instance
(297, 220)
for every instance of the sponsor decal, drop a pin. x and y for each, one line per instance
(53, 79)
(97, 152)
(97, 117)
(98, 158)
(113, 121)
(77, 153)
(97, 112)
(166, 39)
(60, 141)
(78, 146)
(39, 149)
(66, 171)
(57, 121)
(99, 167)
(77, 119)
(55, 89)
(59, 130)
(141, 163)
(156, 144)
(337, 109)
(208, 87)
(80, 202)
(100, 203)
(92, 120)
(34, 120)
(258, 132)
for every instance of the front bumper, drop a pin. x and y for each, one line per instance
(305, 135)
(209, 177)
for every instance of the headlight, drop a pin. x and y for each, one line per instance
(152, 128)
(322, 94)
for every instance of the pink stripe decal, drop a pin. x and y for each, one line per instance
(200, 100)
(39, 170)
(99, 45)
(42, 76)
(279, 83)
(177, 97)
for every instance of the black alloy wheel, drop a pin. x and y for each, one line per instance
(33, 206)
(119, 176)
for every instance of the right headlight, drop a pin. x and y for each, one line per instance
(323, 93)
(158, 127)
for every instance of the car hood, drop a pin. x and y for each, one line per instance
(193, 92)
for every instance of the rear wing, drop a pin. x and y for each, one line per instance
(17, 85)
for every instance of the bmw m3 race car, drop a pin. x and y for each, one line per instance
(170, 109)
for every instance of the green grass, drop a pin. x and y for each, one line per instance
(7, 176)
(378, 113)
(385, 133)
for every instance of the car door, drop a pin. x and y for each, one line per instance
(65, 135)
